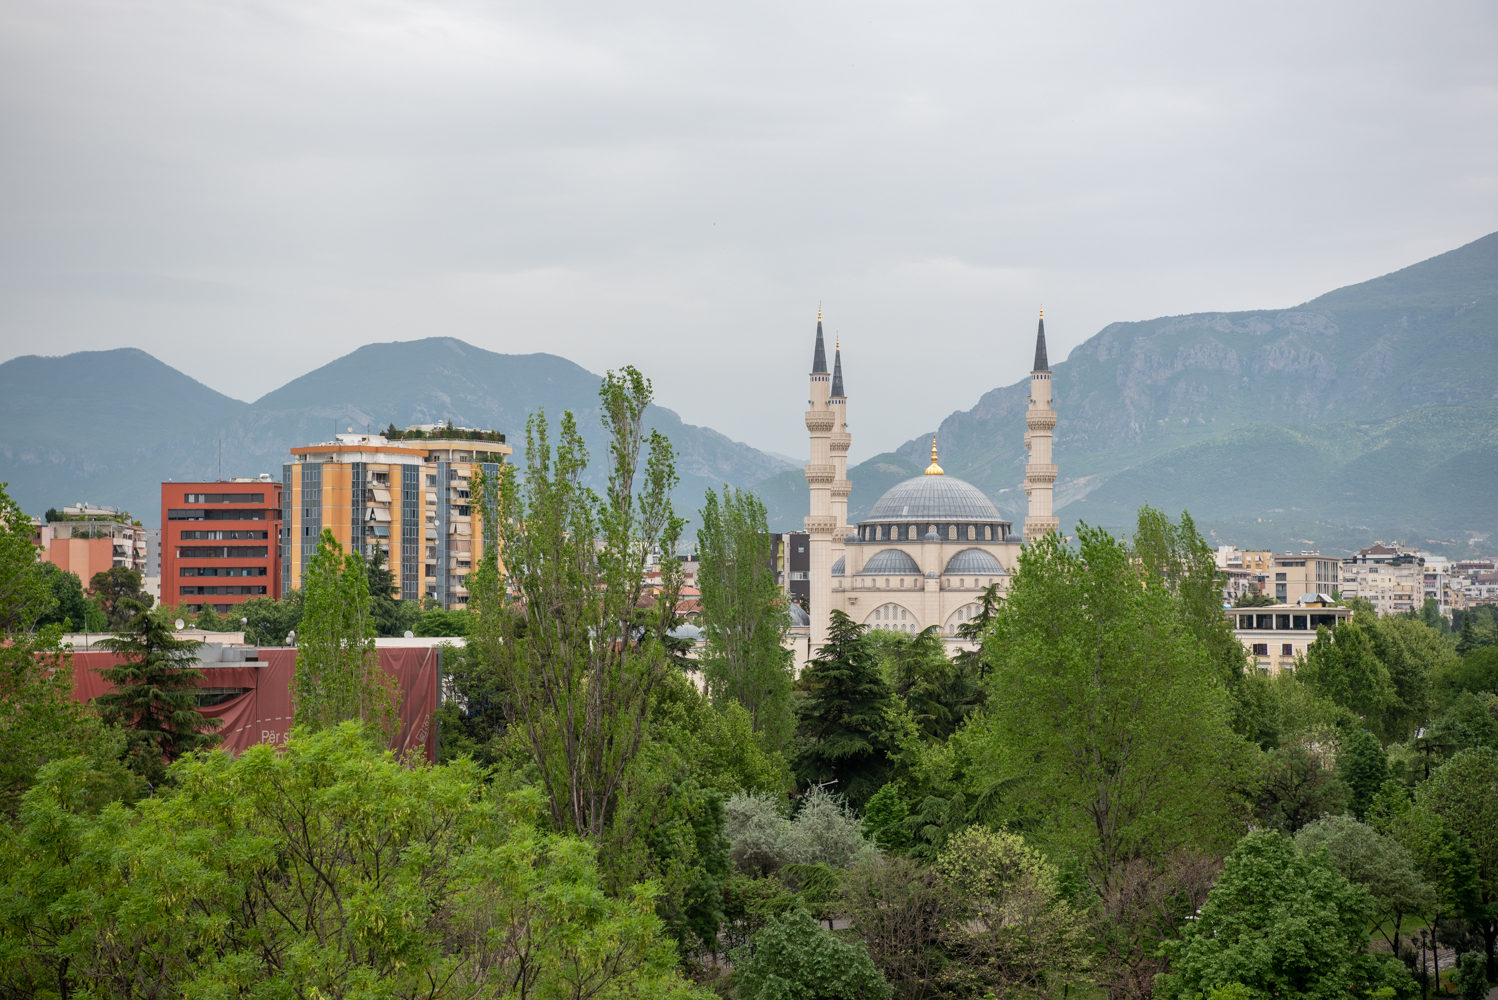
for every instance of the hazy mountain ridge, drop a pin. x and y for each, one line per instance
(1147, 397)
(75, 431)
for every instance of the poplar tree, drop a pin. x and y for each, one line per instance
(746, 615)
(577, 654)
(338, 675)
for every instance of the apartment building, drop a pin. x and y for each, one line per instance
(88, 538)
(1292, 576)
(220, 542)
(405, 494)
(1475, 581)
(792, 565)
(1391, 578)
(1275, 635)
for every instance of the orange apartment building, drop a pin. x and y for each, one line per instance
(220, 542)
(406, 494)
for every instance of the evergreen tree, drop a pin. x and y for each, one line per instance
(745, 614)
(118, 592)
(1363, 767)
(338, 675)
(391, 615)
(1468, 640)
(155, 693)
(921, 673)
(843, 730)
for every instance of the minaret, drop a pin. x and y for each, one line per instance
(839, 443)
(820, 472)
(1040, 471)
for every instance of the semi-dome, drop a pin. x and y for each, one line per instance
(974, 562)
(891, 562)
(934, 498)
(840, 567)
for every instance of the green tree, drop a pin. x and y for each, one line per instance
(579, 661)
(1109, 713)
(209, 620)
(796, 957)
(1296, 789)
(440, 622)
(1009, 932)
(391, 615)
(1280, 923)
(1363, 767)
(1430, 614)
(1471, 976)
(1464, 792)
(1340, 666)
(1254, 599)
(118, 593)
(271, 621)
(1177, 556)
(844, 733)
(72, 608)
(155, 692)
(338, 675)
(1414, 653)
(745, 614)
(323, 867)
(1375, 862)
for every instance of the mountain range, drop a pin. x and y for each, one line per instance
(110, 426)
(1368, 412)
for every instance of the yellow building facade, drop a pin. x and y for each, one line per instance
(409, 499)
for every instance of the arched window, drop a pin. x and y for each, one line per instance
(951, 532)
(972, 533)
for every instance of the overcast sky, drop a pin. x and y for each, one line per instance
(248, 190)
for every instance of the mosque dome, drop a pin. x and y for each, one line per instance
(891, 562)
(934, 498)
(974, 562)
(840, 567)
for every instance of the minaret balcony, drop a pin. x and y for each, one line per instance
(820, 473)
(1040, 473)
(1041, 420)
(820, 421)
(841, 488)
(818, 525)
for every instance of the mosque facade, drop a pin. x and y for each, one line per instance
(932, 544)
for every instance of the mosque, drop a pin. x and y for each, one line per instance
(931, 545)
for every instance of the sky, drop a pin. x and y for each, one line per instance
(248, 189)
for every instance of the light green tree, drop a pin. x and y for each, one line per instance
(338, 675)
(1464, 792)
(1341, 666)
(745, 614)
(1375, 862)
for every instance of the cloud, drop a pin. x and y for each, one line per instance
(249, 189)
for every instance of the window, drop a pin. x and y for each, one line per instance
(951, 532)
(199, 514)
(224, 498)
(222, 552)
(801, 548)
(431, 480)
(1281, 592)
(1261, 649)
(972, 533)
(221, 571)
(1279, 577)
(1286, 649)
(223, 536)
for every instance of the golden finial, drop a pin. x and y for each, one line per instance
(1042, 312)
(933, 469)
(819, 312)
(838, 341)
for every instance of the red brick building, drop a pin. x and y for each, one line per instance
(220, 542)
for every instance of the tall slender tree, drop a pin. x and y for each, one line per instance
(338, 675)
(746, 614)
(577, 658)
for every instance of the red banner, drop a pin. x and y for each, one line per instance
(263, 713)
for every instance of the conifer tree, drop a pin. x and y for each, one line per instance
(842, 721)
(338, 675)
(155, 692)
(1363, 766)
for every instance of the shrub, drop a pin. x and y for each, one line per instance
(796, 958)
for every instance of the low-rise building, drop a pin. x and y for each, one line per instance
(406, 494)
(221, 543)
(1391, 578)
(1276, 635)
(87, 538)
(1293, 575)
(1244, 571)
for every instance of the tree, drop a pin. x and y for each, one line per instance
(209, 620)
(1340, 665)
(1377, 863)
(1280, 923)
(843, 726)
(921, 669)
(1009, 931)
(745, 614)
(321, 867)
(582, 674)
(338, 675)
(900, 907)
(1177, 556)
(1254, 599)
(1109, 713)
(118, 592)
(271, 621)
(794, 956)
(1363, 767)
(72, 608)
(390, 615)
(1464, 792)
(155, 692)
(1296, 789)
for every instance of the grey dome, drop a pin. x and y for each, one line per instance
(891, 562)
(840, 567)
(974, 562)
(799, 615)
(934, 498)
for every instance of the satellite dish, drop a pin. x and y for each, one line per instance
(180, 623)
(244, 621)
(410, 634)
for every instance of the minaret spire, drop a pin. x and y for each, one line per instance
(837, 369)
(1040, 470)
(819, 359)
